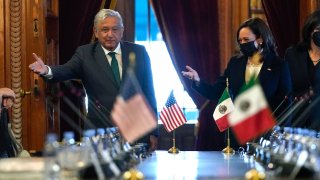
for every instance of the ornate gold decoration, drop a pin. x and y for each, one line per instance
(15, 59)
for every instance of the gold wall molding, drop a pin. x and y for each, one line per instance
(15, 65)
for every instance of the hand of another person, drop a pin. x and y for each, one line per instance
(153, 143)
(7, 102)
(7, 93)
(191, 74)
(38, 66)
(7, 97)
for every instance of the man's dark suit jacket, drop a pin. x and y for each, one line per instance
(274, 77)
(303, 80)
(90, 65)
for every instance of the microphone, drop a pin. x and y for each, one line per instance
(101, 168)
(99, 111)
(307, 112)
(287, 108)
(66, 118)
(294, 106)
(290, 110)
(303, 101)
(281, 114)
(284, 100)
(76, 110)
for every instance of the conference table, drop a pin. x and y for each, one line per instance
(161, 165)
(197, 165)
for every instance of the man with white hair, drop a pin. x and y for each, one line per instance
(102, 67)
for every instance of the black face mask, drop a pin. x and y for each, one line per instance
(316, 38)
(248, 49)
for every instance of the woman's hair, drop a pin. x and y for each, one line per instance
(310, 24)
(261, 30)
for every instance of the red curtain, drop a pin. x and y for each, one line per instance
(283, 19)
(190, 30)
(75, 24)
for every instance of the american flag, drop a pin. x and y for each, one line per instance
(131, 112)
(171, 114)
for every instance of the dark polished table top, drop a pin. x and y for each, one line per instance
(196, 165)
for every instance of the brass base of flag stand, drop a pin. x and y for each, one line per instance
(133, 174)
(174, 150)
(228, 149)
(255, 174)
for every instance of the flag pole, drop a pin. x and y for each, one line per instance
(172, 117)
(173, 150)
(228, 149)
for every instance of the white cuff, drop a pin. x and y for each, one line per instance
(49, 75)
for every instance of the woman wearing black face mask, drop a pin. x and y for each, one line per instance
(253, 36)
(304, 66)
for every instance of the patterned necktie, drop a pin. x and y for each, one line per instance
(115, 67)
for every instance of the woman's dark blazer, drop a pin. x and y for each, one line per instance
(299, 61)
(297, 58)
(274, 77)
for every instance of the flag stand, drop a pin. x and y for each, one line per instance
(228, 149)
(133, 174)
(174, 150)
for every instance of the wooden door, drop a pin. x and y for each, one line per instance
(23, 31)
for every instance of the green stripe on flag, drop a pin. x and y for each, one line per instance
(251, 83)
(225, 95)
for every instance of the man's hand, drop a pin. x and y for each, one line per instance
(153, 143)
(191, 74)
(38, 66)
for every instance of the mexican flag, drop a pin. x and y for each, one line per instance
(252, 116)
(224, 107)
